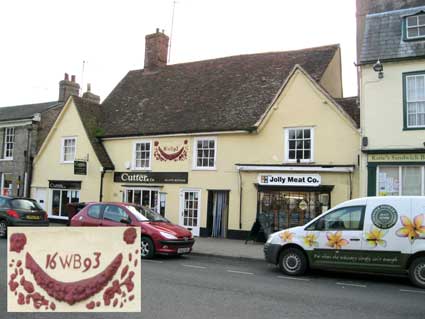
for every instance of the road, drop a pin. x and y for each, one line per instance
(209, 287)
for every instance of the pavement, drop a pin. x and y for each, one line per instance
(198, 287)
(220, 247)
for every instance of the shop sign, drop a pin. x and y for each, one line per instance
(289, 180)
(65, 184)
(101, 275)
(150, 178)
(396, 157)
(80, 168)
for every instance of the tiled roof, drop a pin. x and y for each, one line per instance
(48, 119)
(27, 111)
(351, 106)
(383, 37)
(90, 114)
(215, 95)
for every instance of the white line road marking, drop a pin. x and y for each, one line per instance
(293, 278)
(153, 261)
(194, 266)
(351, 285)
(240, 272)
(413, 291)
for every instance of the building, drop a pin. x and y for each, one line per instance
(22, 131)
(392, 90)
(212, 145)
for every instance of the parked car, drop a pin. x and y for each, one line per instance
(16, 211)
(72, 209)
(375, 234)
(159, 235)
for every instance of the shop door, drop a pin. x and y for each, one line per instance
(190, 210)
(40, 197)
(217, 214)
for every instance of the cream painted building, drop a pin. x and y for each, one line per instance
(213, 145)
(392, 102)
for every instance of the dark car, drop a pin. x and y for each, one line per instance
(159, 235)
(16, 211)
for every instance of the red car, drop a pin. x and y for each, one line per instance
(159, 236)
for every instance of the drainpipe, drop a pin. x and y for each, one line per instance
(102, 175)
(28, 165)
(240, 199)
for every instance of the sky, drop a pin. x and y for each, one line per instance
(43, 39)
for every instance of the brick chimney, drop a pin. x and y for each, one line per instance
(88, 95)
(156, 50)
(68, 88)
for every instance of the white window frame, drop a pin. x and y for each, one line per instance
(286, 144)
(412, 101)
(134, 161)
(417, 26)
(63, 149)
(195, 153)
(7, 135)
(400, 178)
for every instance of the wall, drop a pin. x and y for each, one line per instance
(332, 78)
(301, 104)
(47, 165)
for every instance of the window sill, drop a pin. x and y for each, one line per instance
(204, 169)
(67, 162)
(300, 162)
(6, 159)
(413, 128)
(141, 169)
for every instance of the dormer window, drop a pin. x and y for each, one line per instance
(415, 27)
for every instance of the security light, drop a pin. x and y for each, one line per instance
(378, 67)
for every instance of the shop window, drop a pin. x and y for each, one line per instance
(299, 145)
(144, 197)
(415, 27)
(400, 180)
(61, 198)
(414, 100)
(205, 152)
(69, 145)
(142, 155)
(9, 142)
(347, 218)
(6, 184)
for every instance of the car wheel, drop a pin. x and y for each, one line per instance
(3, 229)
(293, 262)
(417, 272)
(147, 248)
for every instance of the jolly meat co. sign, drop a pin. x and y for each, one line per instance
(289, 180)
(74, 269)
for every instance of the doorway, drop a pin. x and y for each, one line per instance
(217, 214)
(190, 210)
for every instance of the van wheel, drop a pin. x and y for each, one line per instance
(417, 272)
(3, 229)
(293, 262)
(147, 248)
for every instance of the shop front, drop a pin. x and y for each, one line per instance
(61, 194)
(396, 173)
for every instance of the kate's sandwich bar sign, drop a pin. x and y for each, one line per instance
(89, 269)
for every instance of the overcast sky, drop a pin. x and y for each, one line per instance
(43, 39)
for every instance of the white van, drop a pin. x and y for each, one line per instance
(373, 234)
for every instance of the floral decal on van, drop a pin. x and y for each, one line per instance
(310, 240)
(287, 236)
(335, 240)
(411, 230)
(374, 237)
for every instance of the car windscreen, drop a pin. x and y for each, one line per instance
(25, 204)
(145, 214)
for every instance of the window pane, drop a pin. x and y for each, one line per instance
(291, 134)
(420, 87)
(411, 92)
(307, 133)
(422, 19)
(347, 218)
(299, 154)
(422, 31)
(211, 143)
(307, 144)
(411, 33)
(291, 154)
(411, 177)
(388, 183)
(412, 21)
(306, 154)
(299, 134)
(291, 145)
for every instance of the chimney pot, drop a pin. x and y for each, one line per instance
(68, 88)
(88, 87)
(157, 30)
(66, 77)
(73, 78)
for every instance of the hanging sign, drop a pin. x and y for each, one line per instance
(80, 168)
(289, 180)
(100, 274)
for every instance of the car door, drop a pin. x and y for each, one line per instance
(114, 215)
(386, 241)
(93, 216)
(339, 237)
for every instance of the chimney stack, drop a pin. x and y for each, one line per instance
(156, 50)
(68, 88)
(88, 95)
